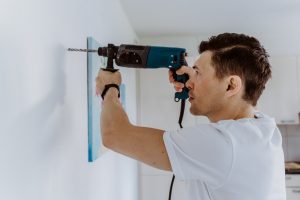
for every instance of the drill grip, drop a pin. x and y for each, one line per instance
(184, 94)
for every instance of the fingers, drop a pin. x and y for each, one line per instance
(110, 76)
(171, 78)
(184, 70)
(178, 86)
(178, 89)
(180, 71)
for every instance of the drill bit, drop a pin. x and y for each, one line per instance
(83, 50)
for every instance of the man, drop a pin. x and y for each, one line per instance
(239, 154)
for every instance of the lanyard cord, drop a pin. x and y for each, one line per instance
(179, 122)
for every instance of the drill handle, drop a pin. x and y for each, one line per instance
(184, 94)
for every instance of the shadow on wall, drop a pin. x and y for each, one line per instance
(37, 136)
(36, 119)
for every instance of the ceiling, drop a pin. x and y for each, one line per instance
(196, 17)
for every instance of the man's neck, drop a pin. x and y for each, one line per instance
(234, 112)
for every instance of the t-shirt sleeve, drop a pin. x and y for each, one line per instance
(200, 153)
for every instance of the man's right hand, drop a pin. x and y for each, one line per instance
(183, 70)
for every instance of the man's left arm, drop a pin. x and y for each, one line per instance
(118, 134)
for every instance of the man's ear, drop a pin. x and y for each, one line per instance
(234, 85)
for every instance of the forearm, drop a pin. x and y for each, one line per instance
(140, 143)
(113, 117)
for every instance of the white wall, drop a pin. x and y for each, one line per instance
(155, 183)
(43, 104)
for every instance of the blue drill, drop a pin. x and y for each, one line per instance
(146, 57)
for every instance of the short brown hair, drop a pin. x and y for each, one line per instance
(242, 55)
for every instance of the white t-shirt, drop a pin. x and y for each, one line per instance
(229, 160)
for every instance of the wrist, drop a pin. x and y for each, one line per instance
(107, 87)
(112, 93)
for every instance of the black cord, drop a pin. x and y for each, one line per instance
(171, 187)
(181, 112)
(179, 122)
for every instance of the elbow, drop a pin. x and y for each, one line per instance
(107, 139)
(107, 144)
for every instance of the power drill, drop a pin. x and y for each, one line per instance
(146, 57)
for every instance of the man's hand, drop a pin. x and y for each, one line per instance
(183, 70)
(107, 77)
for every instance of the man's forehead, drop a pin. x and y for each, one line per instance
(203, 58)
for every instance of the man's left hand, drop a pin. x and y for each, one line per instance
(107, 77)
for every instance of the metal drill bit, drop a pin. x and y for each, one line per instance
(83, 50)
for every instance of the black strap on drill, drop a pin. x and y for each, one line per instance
(179, 122)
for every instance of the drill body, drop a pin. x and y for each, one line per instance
(148, 57)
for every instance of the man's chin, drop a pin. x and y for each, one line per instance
(196, 112)
(193, 111)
